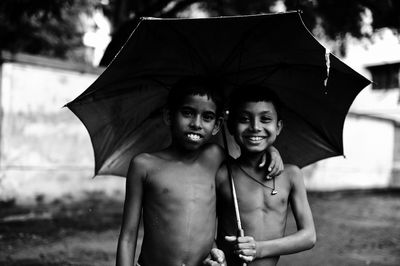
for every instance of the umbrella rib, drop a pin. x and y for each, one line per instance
(111, 94)
(237, 50)
(184, 39)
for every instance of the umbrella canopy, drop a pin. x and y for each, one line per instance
(122, 108)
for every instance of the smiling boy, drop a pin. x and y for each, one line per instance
(255, 123)
(174, 188)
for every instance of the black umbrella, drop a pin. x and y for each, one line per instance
(122, 108)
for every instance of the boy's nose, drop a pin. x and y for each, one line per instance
(195, 123)
(255, 125)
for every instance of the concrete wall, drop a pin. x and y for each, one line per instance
(368, 161)
(45, 152)
(395, 181)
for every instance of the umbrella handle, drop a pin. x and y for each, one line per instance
(228, 166)
(240, 231)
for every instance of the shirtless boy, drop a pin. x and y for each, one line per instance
(255, 124)
(174, 189)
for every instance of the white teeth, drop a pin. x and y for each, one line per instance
(193, 136)
(255, 138)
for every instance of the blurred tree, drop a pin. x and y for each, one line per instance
(54, 27)
(336, 18)
(45, 27)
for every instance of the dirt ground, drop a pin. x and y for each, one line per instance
(354, 228)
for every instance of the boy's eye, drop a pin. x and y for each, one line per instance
(265, 119)
(243, 119)
(187, 112)
(208, 117)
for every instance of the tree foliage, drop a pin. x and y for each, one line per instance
(44, 27)
(337, 18)
(51, 27)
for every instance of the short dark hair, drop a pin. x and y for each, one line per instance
(196, 85)
(252, 93)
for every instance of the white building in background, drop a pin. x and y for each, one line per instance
(372, 128)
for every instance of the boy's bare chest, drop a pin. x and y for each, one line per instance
(263, 196)
(181, 181)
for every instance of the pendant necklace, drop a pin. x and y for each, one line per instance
(273, 190)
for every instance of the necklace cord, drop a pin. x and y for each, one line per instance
(257, 181)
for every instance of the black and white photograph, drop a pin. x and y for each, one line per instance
(198, 132)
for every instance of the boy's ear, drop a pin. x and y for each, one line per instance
(280, 126)
(217, 126)
(167, 116)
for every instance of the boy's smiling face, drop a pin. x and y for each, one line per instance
(194, 122)
(256, 126)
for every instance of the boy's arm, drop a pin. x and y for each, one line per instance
(303, 239)
(275, 166)
(132, 212)
(217, 256)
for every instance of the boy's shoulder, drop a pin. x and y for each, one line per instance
(293, 173)
(145, 159)
(214, 149)
(292, 169)
(213, 152)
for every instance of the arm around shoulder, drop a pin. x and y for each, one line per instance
(132, 210)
